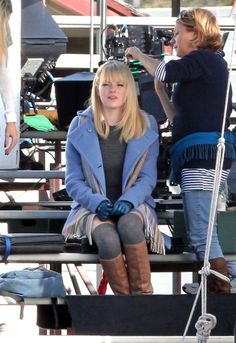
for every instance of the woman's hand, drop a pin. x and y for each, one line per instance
(121, 207)
(133, 52)
(104, 210)
(149, 63)
(11, 137)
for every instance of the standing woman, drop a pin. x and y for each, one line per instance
(6, 87)
(111, 171)
(200, 76)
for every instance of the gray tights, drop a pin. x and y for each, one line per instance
(110, 237)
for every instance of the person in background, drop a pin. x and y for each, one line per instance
(231, 185)
(6, 87)
(111, 171)
(231, 201)
(196, 111)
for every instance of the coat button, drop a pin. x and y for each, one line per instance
(90, 130)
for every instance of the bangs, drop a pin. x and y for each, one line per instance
(113, 73)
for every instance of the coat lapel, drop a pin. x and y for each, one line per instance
(85, 140)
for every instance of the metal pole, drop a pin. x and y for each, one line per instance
(103, 24)
(91, 35)
(175, 8)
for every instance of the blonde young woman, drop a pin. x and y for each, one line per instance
(6, 88)
(111, 171)
(200, 76)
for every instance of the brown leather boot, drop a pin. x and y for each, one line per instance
(138, 266)
(215, 284)
(116, 272)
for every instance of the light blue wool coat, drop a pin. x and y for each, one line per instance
(83, 144)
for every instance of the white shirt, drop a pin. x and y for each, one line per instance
(7, 94)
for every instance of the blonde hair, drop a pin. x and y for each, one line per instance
(133, 123)
(5, 12)
(203, 22)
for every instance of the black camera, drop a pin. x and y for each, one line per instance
(147, 38)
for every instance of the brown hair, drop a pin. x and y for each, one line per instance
(133, 123)
(203, 22)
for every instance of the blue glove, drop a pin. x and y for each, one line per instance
(121, 207)
(104, 210)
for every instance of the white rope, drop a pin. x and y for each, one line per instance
(206, 322)
(192, 312)
(204, 325)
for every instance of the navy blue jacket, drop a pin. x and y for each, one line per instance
(201, 79)
(199, 95)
